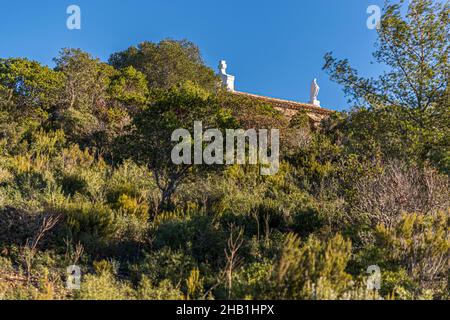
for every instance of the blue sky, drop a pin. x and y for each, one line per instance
(274, 48)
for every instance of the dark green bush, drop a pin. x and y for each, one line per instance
(73, 184)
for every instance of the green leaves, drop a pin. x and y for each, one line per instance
(167, 63)
(302, 267)
(418, 245)
(129, 86)
(27, 87)
(405, 113)
(415, 50)
(150, 142)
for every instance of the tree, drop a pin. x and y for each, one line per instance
(97, 100)
(28, 94)
(129, 88)
(167, 63)
(150, 141)
(251, 113)
(87, 79)
(407, 109)
(28, 89)
(84, 97)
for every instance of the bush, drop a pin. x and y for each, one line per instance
(135, 184)
(399, 188)
(16, 226)
(73, 184)
(419, 245)
(199, 235)
(104, 287)
(164, 291)
(89, 223)
(133, 207)
(164, 264)
(314, 270)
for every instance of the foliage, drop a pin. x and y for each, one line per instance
(176, 108)
(405, 112)
(167, 63)
(87, 146)
(301, 268)
(420, 244)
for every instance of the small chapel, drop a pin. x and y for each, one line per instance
(289, 108)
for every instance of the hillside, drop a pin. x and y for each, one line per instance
(88, 178)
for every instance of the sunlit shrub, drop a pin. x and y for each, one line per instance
(303, 269)
(418, 244)
(89, 223)
(104, 287)
(132, 188)
(249, 282)
(165, 290)
(132, 206)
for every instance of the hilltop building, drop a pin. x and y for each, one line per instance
(288, 108)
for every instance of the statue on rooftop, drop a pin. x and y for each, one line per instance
(227, 80)
(314, 93)
(223, 67)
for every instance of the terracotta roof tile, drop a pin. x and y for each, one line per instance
(287, 104)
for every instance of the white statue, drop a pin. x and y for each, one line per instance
(227, 80)
(223, 67)
(314, 93)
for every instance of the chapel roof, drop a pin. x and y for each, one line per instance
(287, 104)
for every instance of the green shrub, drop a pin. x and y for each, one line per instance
(419, 245)
(314, 270)
(104, 266)
(133, 189)
(89, 223)
(249, 282)
(104, 287)
(73, 184)
(165, 264)
(199, 235)
(133, 207)
(164, 291)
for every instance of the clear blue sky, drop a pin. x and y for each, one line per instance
(274, 48)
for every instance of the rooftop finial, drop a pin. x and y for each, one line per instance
(227, 80)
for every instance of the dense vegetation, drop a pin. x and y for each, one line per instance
(86, 178)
